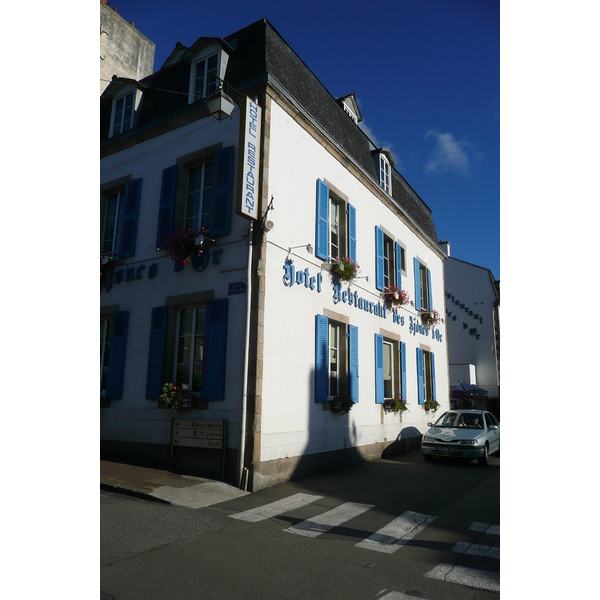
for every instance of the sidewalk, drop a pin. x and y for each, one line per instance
(163, 486)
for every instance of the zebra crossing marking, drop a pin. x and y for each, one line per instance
(476, 550)
(395, 534)
(474, 578)
(322, 523)
(485, 528)
(254, 515)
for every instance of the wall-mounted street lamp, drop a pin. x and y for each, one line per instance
(220, 105)
(308, 247)
(199, 241)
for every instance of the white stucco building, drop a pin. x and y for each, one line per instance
(473, 324)
(259, 326)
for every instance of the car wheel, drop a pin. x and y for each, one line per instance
(483, 461)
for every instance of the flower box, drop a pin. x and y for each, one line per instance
(430, 318)
(181, 245)
(395, 296)
(345, 268)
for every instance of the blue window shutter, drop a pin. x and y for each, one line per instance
(429, 289)
(420, 377)
(321, 357)
(156, 353)
(166, 209)
(378, 368)
(353, 362)
(215, 351)
(322, 241)
(129, 218)
(403, 369)
(417, 284)
(379, 258)
(221, 223)
(398, 249)
(432, 376)
(116, 359)
(352, 232)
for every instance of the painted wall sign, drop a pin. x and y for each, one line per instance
(127, 274)
(247, 200)
(292, 277)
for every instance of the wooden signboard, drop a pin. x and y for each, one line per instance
(200, 434)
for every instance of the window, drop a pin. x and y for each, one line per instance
(388, 260)
(335, 224)
(196, 192)
(105, 325)
(390, 368)
(199, 196)
(119, 209)
(205, 77)
(188, 345)
(384, 174)
(425, 375)
(113, 343)
(123, 113)
(112, 215)
(336, 360)
(189, 360)
(423, 295)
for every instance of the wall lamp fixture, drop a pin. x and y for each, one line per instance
(221, 104)
(308, 247)
(201, 239)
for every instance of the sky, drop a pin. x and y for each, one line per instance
(426, 75)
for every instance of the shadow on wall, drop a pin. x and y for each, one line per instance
(409, 438)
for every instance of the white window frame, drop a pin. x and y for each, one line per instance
(385, 174)
(120, 198)
(389, 262)
(136, 98)
(336, 223)
(192, 360)
(427, 376)
(336, 329)
(424, 287)
(203, 188)
(105, 331)
(391, 347)
(204, 57)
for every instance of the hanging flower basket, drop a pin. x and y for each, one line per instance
(181, 245)
(430, 318)
(395, 405)
(345, 268)
(431, 406)
(395, 296)
(176, 397)
(341, 404)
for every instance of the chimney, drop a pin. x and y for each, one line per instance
(445, 247)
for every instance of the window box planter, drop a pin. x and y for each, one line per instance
(431, 406)
(397, 406)
(341, 404)
(430, 318)
(182, 246)
(345, 269)
(394, 296)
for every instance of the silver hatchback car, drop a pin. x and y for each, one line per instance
(465, 434)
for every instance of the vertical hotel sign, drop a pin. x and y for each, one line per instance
(247, 201)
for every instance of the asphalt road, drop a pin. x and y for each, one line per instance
(384, 530)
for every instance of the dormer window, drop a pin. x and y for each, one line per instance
(205, 79)
(125, 104)
(384, 174)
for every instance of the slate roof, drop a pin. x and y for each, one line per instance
(261, 54)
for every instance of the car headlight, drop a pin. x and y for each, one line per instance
(427, 438)
(469, 442)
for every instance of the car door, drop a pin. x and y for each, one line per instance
(493, 434)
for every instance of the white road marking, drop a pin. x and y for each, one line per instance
(273, 509)
(320, 524)
(396, 596)
(473, 578)
(476, 550)
(485, 528)
(395, 534)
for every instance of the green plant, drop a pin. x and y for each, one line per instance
(346, 268)
(398, 405)
(431, 406)
(429, 318)
(395, 296)
(176, 397)
(342, 404)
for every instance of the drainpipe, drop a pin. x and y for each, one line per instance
(242, 450)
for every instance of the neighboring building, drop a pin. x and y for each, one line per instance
(124, 51)
(259, 326)
(472, 324)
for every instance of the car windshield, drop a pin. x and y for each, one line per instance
(455, 419)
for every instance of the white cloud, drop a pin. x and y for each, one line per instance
(448, 154)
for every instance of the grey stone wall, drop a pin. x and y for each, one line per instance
(124, 51)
